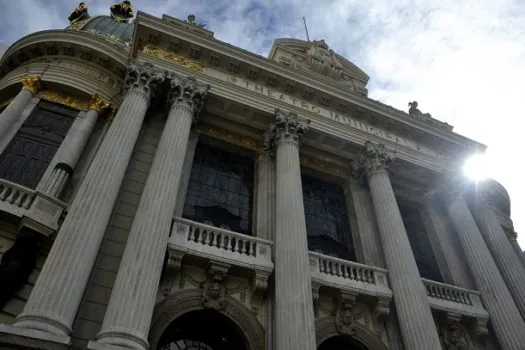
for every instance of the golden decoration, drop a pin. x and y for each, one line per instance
(180, 60)
(97, 103)
(64, 100)
(228, 136)
(77, 25)
(31, 83)
(324, 166)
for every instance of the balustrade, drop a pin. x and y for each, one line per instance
(14, 198)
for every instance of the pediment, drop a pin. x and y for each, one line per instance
(316, 57)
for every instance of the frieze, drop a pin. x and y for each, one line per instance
(81, 68)
(341, 118)
(324, 166)
(172, 57)
(228, 136)
(65, 100)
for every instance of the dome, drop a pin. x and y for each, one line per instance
(496, 194)
(121, 32)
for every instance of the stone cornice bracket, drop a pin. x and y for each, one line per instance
(98, 104)
(186, 92)
(344, 317)
(213, 290)
(315, 297)
(287, 127)
(31, 83)
(374, 158)
(259, 287)
(382, 309)
(143, 78)
(173, 266)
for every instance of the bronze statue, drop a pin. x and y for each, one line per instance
(80, 13)
(122, 12)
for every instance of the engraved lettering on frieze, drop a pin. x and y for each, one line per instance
(76, 66)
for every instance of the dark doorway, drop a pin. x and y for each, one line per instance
(341, 343)
(202, 330)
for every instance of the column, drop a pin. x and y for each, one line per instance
(513, 236)
(72, 147)
(294, 314)
(30, 86)
(55, 298)
(504, 315)
(128, 316)
(186, 172)
(503, 253)
(265, 195)
(413, 311)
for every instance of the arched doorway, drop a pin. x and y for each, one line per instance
(202, 330)
(341, 343)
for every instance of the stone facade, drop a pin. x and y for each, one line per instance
(133, 246)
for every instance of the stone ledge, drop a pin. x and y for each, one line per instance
(32, 339)
(95, 345)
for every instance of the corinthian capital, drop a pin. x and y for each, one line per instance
(374, 158)
(143, 78)
(287, 127)
(31, 83)
(186, 91)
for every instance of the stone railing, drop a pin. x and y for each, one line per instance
(34, 209)
(348, 275)
(211, 242)
(454, 299)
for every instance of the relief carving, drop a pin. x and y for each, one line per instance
(345, 321)
(213, 290)
(454, 334)
(321, 59)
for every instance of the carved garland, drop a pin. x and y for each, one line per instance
(65, 100)
(177, 59)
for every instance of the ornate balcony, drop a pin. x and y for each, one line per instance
(350, 277)
(455, 300)
(32, 208)
(220, 249)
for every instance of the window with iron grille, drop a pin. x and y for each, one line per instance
(27, 156)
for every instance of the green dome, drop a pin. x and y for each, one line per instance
(105, 25)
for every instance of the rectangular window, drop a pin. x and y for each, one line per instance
(417, 236)
(327, 222)
(27, 156)
(220, 190)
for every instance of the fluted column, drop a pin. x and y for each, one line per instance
(294, 314)
(415, 318)
(55, 298)
(130, 308)
(504, 315)
(72, 147)
(503, 252)
(513, 238)
(265, 196)
(9, 116)
(186, 172)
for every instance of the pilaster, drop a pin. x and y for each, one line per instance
(55, 298)
(415, 318)
(128, 316)
(294, 314)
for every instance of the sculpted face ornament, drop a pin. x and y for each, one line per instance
(345, 319)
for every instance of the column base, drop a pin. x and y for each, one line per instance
(32, 339)
(119, 340)
(95, 345)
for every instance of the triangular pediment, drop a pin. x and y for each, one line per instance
(316, 57)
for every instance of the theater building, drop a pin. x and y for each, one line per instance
(162, 189)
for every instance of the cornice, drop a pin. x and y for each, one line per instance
(261, 62)
(89, 41)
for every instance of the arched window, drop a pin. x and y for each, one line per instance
(341, 343)
(202, 330)
(327, 222)
(220, 190)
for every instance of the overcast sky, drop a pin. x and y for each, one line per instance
(463, 61)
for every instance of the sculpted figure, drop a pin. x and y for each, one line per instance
(122, 12)
(322, 59)
(415, 112)
(80, 13)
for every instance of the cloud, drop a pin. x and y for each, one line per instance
(462, 60)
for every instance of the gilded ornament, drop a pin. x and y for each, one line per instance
(64, 100)
(177, 59)
(97, 103)
(228, 136)
(31, 83)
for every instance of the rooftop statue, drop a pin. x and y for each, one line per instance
(80, 13)
(122, 12)
(191, 20)
(322, 59)
(415, 112)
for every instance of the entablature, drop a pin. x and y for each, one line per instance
(313, 90)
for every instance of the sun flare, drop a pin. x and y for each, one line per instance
(476, 167)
